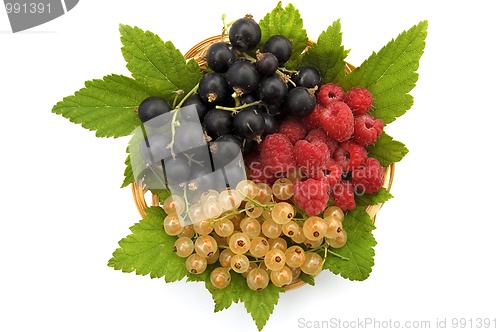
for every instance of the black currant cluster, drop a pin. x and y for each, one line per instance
(241, 99)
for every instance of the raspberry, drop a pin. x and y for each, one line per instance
(277, 153)
(319, 135)
(311, 157)
(293, 129)
(369, 177)
(367, 129)
(359, 100)
(311, 121)
(330, 93)
(338, 121)
(257, 172)
(311, 196)
(350, 155)
(343, 196)
(333, 173)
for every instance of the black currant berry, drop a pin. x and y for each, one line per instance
(270, 124)
(201, 107)
(188, 136)
(244, 34)
(276, 110)
(307, 76)
(224, 150)
(177, 170)
(153, 176)
(220, 56)
(300, 101)
(266, 64)
(155, 148)
(247, 146)
(280, 46)
(242, 77)
(248, 98)
(248, 124)
(152, 107)
(218, 122)
(213, 88)
(272, 89)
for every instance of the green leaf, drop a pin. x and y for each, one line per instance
(286, 22)
(381, 196)
(307, 279)
(148, 250)
(328, 54)
(358, 249)
(386, 150)
(260, 305)
(128, 173)
(157, 64)
(391, 73)
(105, 106)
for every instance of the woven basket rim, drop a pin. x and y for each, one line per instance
(197, 53)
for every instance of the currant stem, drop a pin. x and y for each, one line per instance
(189, 94)
(225, 30)
(237, 108)
(249, 58)
(337, 255)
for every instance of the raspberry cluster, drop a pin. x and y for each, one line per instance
(324, 152)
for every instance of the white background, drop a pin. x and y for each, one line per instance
(62, 212)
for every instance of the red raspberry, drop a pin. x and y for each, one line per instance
(320, 135)
(350, 155)
(311, 157)
(333, 173)
(343, 196)
(293, 129)
(367, 129)
(276, 153)
(359, 100)
(311, 121)
(370, 177)
(338, 121)
(330, 93)
(257, 172)
(311, 196)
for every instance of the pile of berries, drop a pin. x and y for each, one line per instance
(324, 152)
(255, 231)
(304, 161)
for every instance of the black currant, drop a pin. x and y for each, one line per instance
(224, 150)
(247, 146)
(218, 122)
(280, 46)
(152, 107)
(242, 77)
(266, 64)
(270, 124)
(201, 107)
(213, 88)
(220, 56)
(248, 124)
(300, 101)
(244, 34)
(188, 136)
(307, 76)
(155, 148)
(154, 176)
(272, 89)
(248, 98)
(276, 110)
(177, 170)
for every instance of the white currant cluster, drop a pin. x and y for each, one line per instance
(253, 230)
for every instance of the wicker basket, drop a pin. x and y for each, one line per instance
(198, 53)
